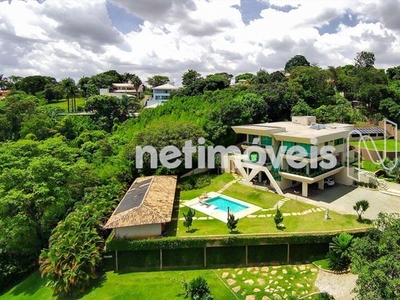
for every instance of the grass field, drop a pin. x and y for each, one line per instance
(225, 284)
(64, 105)
(390, 145)
(217, 183)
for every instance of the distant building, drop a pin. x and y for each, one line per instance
(161, 95)
(119, 89)
(4, 93)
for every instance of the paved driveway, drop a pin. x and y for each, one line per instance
(341, 198)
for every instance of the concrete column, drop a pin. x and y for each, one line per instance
(304, 189)
(321, 184)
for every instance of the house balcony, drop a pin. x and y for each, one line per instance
(312, 177)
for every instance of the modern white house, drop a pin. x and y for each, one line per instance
(119, 89)
(301, 152)
(161, 94)
(145, 209)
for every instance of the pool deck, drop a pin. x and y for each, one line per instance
(211, 210)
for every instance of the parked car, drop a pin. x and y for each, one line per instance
(329, 181)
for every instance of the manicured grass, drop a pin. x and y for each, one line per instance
(322, 263)
(64, 105)
(368, 166)
(252, 195)
(263, 221)
(216, 184)
(390, 145)
(165, 285)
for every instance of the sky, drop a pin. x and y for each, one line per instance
(71, 38)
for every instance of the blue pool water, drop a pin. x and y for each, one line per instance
(222, 204)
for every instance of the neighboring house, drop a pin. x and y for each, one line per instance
(119, 89)
(4, 93)
(145, 209)
(161, 94)
(304, 132)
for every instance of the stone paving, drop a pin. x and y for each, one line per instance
(270, 282)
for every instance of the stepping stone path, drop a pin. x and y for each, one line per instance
(236, 289)
(285, 214)
(250, 282)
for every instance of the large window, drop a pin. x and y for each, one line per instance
(339, 142)
(266, 141)
(253, 139)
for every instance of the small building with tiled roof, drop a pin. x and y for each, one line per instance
(145, 209)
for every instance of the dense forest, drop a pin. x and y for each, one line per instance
(62, 175)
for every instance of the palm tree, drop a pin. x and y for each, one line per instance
(127, 105)
(360, 207)
(339, 251)
(70, 89)
(73, 255)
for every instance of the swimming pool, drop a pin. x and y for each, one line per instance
(223, 203)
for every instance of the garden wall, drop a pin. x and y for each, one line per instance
(175, 253)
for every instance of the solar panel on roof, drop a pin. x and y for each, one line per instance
(369, 130)
(134, 197)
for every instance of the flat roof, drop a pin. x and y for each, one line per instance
(289, 130)
(166, 86)
(149, 200)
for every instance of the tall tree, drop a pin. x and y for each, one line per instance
(34, 84)
(375, 259)
(190, 77)
(296, 61)
(364, 59)
(70, 89)
(249, 77)
(157, 80)
(261, 77)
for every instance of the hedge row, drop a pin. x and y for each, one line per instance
(178, 243)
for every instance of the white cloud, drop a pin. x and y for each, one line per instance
(76, 38)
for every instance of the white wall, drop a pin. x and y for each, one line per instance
(140, 230)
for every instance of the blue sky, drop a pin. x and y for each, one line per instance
(167, 37)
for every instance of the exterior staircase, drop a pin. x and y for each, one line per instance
(381, 183)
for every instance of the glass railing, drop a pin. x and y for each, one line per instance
(312, 174)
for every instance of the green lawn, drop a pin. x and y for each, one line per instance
(390, 144)
(262, 223)
(64, 105)
(217, 183)
(165, 285)
(322, 263)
